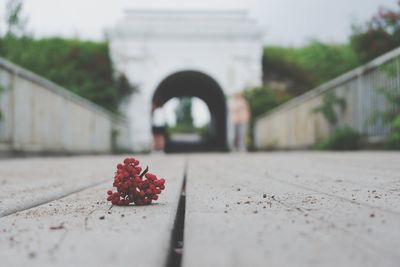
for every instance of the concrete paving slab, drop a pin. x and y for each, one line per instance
(29, 182)
(82, 230)
(250, 210)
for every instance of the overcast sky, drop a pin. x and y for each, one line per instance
(287, 22)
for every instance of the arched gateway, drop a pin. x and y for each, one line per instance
(205, 54)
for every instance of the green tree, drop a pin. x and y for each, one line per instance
(261, 100)
(281, 65)
(327, 61)
(377, 36)
(184, 113)
(301, 69)
(16, 24)
(83, 67)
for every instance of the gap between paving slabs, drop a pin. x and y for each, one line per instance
(92, 219)
(175, 253)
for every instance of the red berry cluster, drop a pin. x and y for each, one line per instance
(132, 188)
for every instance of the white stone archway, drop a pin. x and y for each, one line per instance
(150, 45)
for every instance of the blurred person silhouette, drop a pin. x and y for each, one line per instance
(158, 128)
(240, 114)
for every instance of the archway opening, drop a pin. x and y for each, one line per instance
(188, 120)
(193, 84)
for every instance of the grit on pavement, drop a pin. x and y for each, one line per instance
(239, 209)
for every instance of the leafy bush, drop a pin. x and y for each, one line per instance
(378, 35)
(393, 140)
(82, 67)
(261, 100)
(342, 139)
(280, 65)
(303, 68)
(328, 108)
(327, 61)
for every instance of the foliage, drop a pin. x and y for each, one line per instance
(377, 36)
(396, 123)
(16, 24)
(301, 69)
(342, 139)
(184, 113)
(393, 140)
(1, 91)
(184, 120)
(327, 61)
(393, 107)
(80, 66)
(328, 108)
(123, 88)
(261, 100)
(391, 113)
(179, 128)
(280, 65)
(203, 132)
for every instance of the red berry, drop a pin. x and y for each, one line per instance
(131, 188)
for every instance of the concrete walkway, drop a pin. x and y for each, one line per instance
(266, 209)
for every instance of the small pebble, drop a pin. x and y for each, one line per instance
(32, 255)
(102, 217)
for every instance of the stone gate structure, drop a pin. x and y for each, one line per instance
(166, 54)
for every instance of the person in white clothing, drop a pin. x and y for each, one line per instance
(158, 125)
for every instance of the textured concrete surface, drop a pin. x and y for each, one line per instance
(81, 229)
(295, 209)
(26, 183)
(266, 209)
